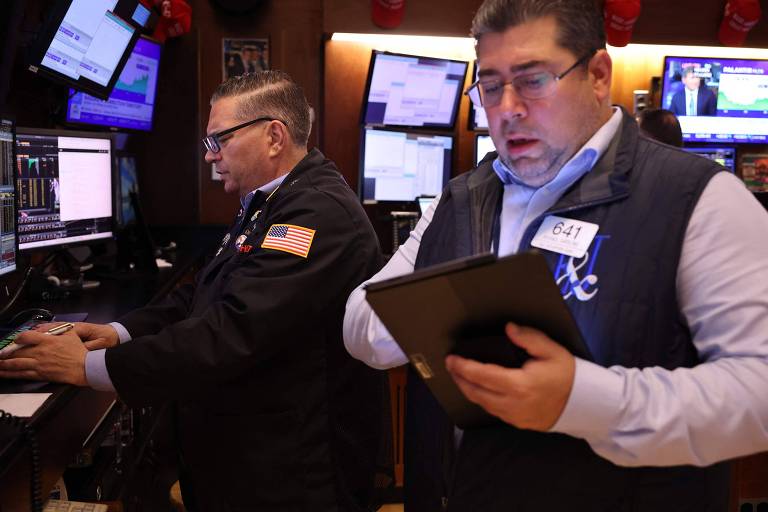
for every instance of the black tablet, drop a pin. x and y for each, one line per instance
(462, 307)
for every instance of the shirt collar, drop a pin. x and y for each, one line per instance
(267, 189)
(579, 164)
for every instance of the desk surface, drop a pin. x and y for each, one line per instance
(66, 419)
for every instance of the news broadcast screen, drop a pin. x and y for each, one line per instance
(718, 100)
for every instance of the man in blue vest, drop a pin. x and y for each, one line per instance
(671, 296)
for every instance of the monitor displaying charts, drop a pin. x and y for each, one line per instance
(65, 186)
(403, 165)
(725, 156)
(132, 102)
(413, 91)
(7, 198)
(483, 146)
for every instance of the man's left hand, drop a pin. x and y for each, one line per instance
(531, 397)
(57, 358)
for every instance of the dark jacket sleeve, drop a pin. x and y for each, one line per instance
(151, 319)
(267, 303)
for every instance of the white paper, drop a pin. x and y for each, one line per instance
(23, 405)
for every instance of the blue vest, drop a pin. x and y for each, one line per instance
(623, 297)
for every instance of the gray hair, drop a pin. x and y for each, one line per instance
(579, 22)
(270, 93)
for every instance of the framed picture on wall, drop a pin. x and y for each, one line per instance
(754, 171)
(241, 56)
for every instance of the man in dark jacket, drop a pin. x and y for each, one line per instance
(272, 414)
(665, 292)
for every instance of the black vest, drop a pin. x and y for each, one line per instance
(623, 297)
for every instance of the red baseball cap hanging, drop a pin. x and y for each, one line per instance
(387, 13)
(740, 16)
(175, 18)
(620, 17)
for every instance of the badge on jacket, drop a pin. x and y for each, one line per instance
(289, 238)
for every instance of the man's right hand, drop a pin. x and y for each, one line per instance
(94, 336)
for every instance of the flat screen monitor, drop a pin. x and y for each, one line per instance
(725, 156)
(132, 102)
(8, 242)
(403, 165)
(85, 44)
(424, 202)
(65, 187)
(483, 146)
(412, 91)
(718, 100)
(477, 118)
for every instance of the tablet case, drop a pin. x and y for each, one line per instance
(462, 307)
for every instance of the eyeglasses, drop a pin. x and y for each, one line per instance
(530, 86)
(212, 143)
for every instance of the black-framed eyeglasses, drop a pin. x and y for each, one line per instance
(212, 142)
(487, 92)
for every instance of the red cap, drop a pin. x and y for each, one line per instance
(387, 13)
(620, 17)
(740, 16)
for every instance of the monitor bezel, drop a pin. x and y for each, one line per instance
(665, 79)
(475, 161)
(471, 117)
(80, 124)
(38, 48)
(361, 160)
(16, 251)
(83, 134)
(367, 90)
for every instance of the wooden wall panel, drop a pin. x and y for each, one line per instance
(295, 35)
(661, 21)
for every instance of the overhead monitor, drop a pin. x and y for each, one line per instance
(725, 156)
(483, 146)
(132, 102)
(84, 44)
(7, 198)
(477, 118)
(718, 100)
(403, 165)
(65, 187)
(412, 91)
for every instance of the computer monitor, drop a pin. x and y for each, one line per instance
(477, 118)
(85, 44)
(717, 100)
(725, 156)
(65, 187)
(412, 91)
(483, 146)
(132, 102)
(8, 242)
(403, 165)
(424, 202)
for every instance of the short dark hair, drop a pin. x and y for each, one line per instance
(688, 70)
(661, 125)
(579, 22)
(270, 93)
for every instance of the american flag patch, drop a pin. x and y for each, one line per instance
(289, 238)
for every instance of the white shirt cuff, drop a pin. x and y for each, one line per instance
(594, 405)
(122, 332)
(96, 371)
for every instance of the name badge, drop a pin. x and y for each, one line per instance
(565, 236)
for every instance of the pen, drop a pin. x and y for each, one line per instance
(59, 329)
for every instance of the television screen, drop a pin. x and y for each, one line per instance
(64, 186)
(84, 44)
(718, 100)
(402, 165)
(724, 156)
(132, 102)
(477, 118)
(483, 146)
(412, 91)
(7, 199)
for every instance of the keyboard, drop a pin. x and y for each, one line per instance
(9, 335)
(73, 506)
